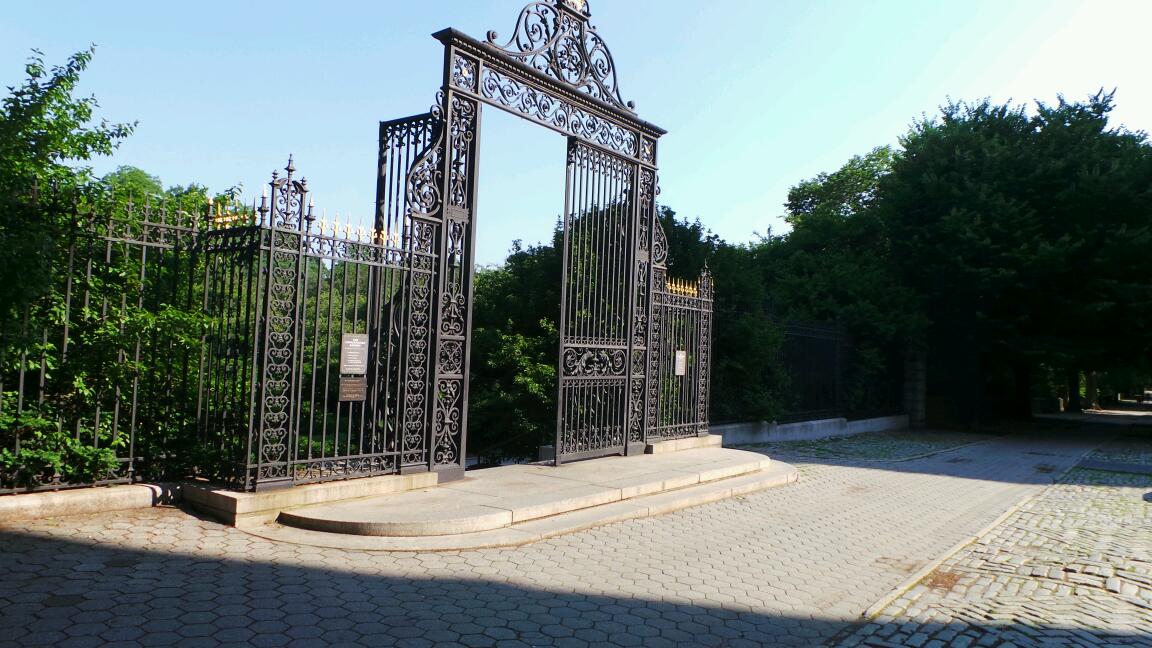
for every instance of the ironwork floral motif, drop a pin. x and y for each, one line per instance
(453, 303)
(464, 72)
(594, 362)
(449, 412)
(553, 111)
(463, 134)
(557, 40)
(425, 178)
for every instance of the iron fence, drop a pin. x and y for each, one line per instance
(682, 329)
(256, 346)
(108, 351)
(813, 357)
(306, 368)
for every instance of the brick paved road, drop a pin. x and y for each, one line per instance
(1071, 568)
(790, 566)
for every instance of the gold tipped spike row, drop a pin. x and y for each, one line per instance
(220, 217)
(681, 287)
(348, 231)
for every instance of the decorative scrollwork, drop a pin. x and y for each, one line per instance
(462, 137)
(453, 303)
(464, 72)
(451, 357)
(579, 361)
(416, 378)
(279, 343)
(288, 207)
(552, 111)
(636, 400)
(659, 244)
(554, 37)
(648, 150)
(424, 180)
(448, 418)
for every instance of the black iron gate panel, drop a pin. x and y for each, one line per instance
(682, 333)
(318, 338)
(407, 197)
(597, 304)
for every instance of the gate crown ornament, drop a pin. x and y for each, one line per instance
(554, 37)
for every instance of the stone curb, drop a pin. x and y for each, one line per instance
(1116, 466)
(911, 581)
(31, 506)
(925, 455)
(922, 455)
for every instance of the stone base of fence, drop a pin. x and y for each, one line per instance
(33, 506)
(248, 509)
(767, 432)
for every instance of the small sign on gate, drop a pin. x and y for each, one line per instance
(353, 389)
(681, 363)
(354, 354)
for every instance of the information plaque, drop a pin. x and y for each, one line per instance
(354, 354)
(353, 388)
(681, 363)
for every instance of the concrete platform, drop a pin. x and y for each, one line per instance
(514, 505)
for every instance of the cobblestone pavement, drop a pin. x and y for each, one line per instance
(1128, 448)
(791, 566)
(1073, 567)
(896, 445)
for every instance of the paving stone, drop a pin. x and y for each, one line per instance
(789, 567)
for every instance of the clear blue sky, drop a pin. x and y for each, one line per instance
(757, 94)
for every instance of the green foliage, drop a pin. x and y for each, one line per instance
(127, 329)
(515, 348)
(1025, 238)
(836, 266)
(44, 132)
(34, 450)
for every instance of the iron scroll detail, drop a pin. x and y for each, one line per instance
(554, 37)
(594, 362)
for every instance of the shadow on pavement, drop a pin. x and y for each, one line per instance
(1034, 457)
(56, 592)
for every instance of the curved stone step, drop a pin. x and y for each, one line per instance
(500, 497)
(776, 474)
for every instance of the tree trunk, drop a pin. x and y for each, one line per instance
(1091, 393)
(1021, 407)
(1072, 379)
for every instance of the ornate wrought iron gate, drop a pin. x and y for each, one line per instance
(558, 72)
(597, 304)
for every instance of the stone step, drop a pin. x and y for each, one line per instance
(773, 475)
(688, 443)
(509, 495)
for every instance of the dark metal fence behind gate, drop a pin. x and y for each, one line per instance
(108, 351)
(257, 346)
(814, 358)
(682, 334)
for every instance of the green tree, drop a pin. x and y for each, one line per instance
(1022, 236)
(46, 133)
(515, 349)
(836, 265)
